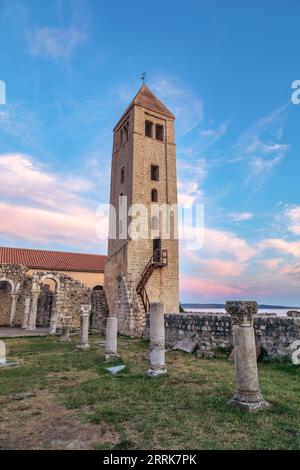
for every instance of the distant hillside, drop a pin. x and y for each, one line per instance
(262, 306)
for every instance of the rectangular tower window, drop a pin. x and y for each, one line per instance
(122, 175)
(148, 129)
(154, 172)
(159, 132)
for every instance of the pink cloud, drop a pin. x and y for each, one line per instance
(22, 178)
(216, 266)
(220, 242)
(45, 226)
(278, 244)
(46, 207)
(206, 289)
(272, 263)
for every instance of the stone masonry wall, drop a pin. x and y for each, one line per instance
(213, 331)
(99, 312)
(5, 304)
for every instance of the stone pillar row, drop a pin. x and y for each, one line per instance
(247, 394)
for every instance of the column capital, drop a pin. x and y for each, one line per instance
(85, 309)
(242, 311)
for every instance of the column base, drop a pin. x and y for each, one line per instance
(110, 356)
(31, 328)
(82, 347)
(64, 339)
(156, 372)
(52, 330)
(250, 407)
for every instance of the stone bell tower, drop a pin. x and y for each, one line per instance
(143, 172)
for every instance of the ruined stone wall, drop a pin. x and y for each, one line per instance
(99, 311)
(114, 266)
(66, 301)
(13, 281)
(69, 300)
(128, 307)
(5, 304)
(213, 331)
(20, 309)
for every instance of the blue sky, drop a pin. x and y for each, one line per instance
(224, 68)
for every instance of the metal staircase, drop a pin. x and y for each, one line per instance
(159, 259)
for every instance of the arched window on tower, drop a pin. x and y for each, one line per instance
(154, 195)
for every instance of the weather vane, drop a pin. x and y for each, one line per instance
(143, 77)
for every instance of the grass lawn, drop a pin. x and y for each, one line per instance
(78, 404)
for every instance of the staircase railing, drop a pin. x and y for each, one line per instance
(159, 259)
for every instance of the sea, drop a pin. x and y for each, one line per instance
(279, 312)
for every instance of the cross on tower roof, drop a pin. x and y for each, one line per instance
(143, 77)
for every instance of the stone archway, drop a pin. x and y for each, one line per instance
(47, 301)
(14, 276)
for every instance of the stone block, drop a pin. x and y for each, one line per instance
(187, 345)
(293, 314)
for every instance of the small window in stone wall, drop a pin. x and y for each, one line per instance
(154, 195)
(122, 175)
(148, 129)
(124, 134)
(159, 132)
(154, 172)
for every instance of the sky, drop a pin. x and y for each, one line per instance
(225, 69)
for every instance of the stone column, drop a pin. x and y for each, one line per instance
(14, 300)
(33, 310)
(2, 353)
(84, 328)
(26, 312)
(65, 330)
(111, 338)
(157, 340)
(247, 394)
(53, 317)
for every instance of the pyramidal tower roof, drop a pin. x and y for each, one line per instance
(146, 99)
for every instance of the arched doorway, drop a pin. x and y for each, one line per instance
(98, 287)
(49, 286)
(6, 289)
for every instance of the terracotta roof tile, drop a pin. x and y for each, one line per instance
(146, 99)
(52, 260)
